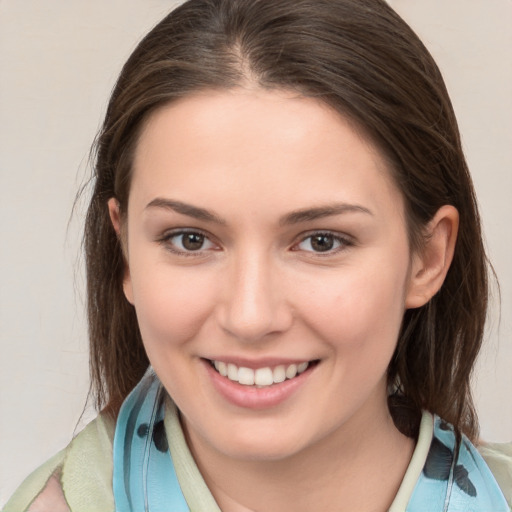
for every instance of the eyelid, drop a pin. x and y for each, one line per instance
(165, 238)
(345, 241)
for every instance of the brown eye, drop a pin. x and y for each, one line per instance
(322, 243)
(188, 242)
(192, 241)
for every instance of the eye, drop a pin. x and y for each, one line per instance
(322, 243)
(187, 242)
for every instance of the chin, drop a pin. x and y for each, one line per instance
(263, 452)
(261, 443)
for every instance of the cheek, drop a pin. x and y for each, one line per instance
(358, 319)
(360, 310)
(172, 304)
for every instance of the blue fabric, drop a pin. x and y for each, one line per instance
(455, 484)
(144, 477)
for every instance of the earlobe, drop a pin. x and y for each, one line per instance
(431, 263)
(115, 218)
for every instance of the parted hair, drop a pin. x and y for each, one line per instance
(360, 58)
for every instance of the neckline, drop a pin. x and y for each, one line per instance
(198, 495)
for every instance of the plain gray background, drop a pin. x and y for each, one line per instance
(58, 63)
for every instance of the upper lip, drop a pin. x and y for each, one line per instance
(260, 363)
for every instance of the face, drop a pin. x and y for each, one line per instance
(268, 263)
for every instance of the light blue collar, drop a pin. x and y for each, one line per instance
(144, 477)
(455, 484)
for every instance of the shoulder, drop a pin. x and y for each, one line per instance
(78, 478)
(34, 484)
(498, 456)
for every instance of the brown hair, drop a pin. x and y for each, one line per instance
(362, 59)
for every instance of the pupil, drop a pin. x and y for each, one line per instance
(193, 241)
(322, 243)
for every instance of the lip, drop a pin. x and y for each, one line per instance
(254, 364)
(250, 397)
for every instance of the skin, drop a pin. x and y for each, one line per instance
(51, 498)
(258, 290)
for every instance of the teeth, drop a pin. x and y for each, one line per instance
(291, 371)
(246, 376)
(222, 368)
(262, 376)
(279, 374)
(302, 367)
(232, 372)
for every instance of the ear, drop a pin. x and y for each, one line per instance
(115, 215)
(431, 263)
(115, 218)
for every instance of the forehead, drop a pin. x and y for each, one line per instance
(240, 144)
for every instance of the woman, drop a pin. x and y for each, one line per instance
(284, 229)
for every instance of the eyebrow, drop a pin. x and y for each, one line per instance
(186, 209)
(310, 214)
(295, 217)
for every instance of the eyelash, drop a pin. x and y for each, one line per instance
(343, 242)
(165, 240)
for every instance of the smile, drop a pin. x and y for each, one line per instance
(260, 377)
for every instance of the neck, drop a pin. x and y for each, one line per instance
(357, 467)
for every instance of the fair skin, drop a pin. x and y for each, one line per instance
(263, 231)
(296, 252)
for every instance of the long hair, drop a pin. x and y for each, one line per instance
(362, 59)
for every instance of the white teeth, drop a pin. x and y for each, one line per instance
(262, 376)
(302, 367)
(246, 376)
(291, 371)
(232, 372)
(222, 369)
(279, 374)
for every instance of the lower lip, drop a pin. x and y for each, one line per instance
(251, 397)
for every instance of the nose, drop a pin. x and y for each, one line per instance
(255, 304)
